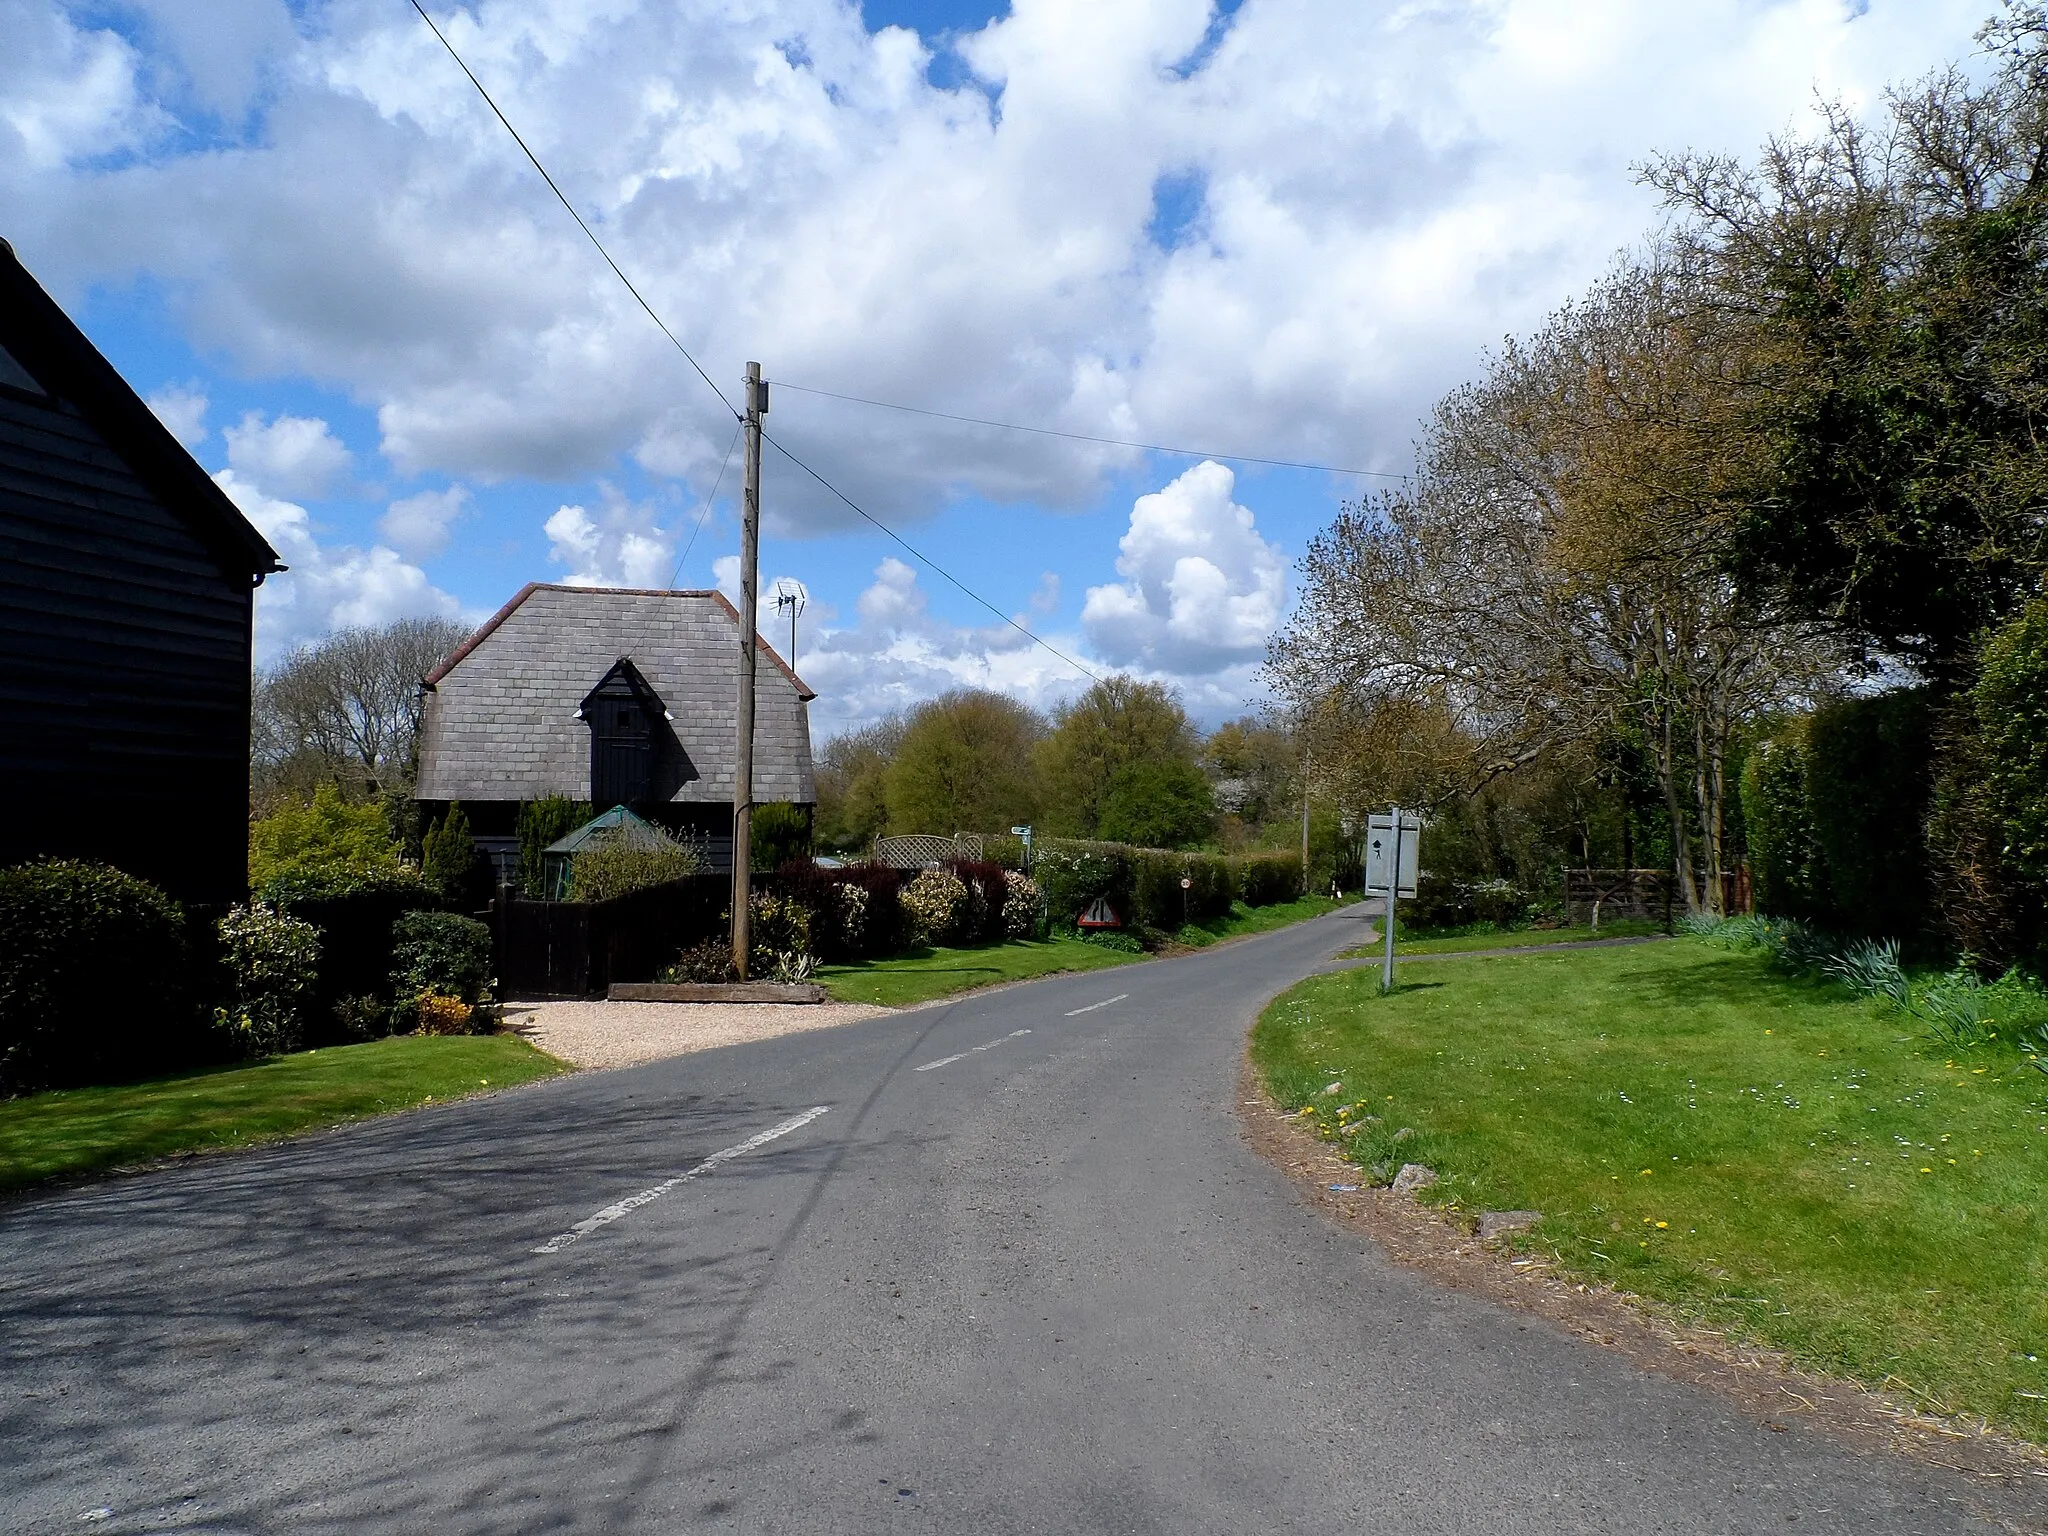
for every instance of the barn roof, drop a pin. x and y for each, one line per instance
(56, 356)
(502, 717)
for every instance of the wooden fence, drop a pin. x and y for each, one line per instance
(579, 948)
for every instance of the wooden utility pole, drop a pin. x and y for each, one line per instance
(743, 754)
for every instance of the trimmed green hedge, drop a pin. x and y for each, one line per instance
(1836, 807)
(1143, 885)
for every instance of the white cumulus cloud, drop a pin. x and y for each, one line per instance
(182, 408)
(327, 587)
(288, 455)
(1201, 590)
(419, 525)
(620, 545)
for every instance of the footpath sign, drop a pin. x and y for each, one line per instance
(1393, 851)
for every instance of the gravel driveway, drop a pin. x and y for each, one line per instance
(625, 1034)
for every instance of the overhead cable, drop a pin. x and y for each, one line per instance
(587, 230)
(927, 560)
(1084, 437)
(705, 510)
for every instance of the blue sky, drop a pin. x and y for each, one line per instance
(1280, 228)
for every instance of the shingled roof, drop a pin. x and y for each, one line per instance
(501, 718)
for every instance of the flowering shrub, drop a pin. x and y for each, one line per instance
(1023, 907)
(853, 903)
(709, 962)
(272, 962)
(934, 907)
(777, 926)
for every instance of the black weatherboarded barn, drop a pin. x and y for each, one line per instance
(127, 589)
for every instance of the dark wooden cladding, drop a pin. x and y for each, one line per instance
(124, 667)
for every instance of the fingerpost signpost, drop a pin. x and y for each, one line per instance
(1393, 843)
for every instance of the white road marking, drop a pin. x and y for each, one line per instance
(947, 1061)
(614, 1211)
(1075, 1013)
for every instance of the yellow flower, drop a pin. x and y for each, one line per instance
(1662, 1225)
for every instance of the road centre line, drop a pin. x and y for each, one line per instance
(1075, 1013)
(614, 1211)
(947, 1061)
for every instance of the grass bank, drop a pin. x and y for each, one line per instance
(1762, 1153)
(902, 980)
(1515, 938)
(85, 1130)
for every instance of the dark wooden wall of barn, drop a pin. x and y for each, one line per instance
(124, 667)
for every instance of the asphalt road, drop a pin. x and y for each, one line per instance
(1042, 1286)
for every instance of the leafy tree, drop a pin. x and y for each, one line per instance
(1159, 803)
(1892, 281)
(451, 859)
(1255, 768)
(780, 832)
(326, 836)
(1117, 724)
(964, 765)
(346, 709)
(851, 774)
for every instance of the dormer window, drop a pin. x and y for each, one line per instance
(624, 715)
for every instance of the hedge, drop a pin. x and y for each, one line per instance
(1142, 885)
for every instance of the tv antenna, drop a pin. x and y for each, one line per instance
(792, 598)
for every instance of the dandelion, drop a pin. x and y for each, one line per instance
(1646, 1173)
(1662, 1225)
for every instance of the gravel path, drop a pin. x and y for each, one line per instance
(625, 1034)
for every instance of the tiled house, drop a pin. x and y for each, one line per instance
(614, 696)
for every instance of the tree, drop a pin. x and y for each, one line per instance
(1893, 280)
(1555, 573)
(451, 858)
(1158, 803)
(346, 710)
(850, 772)
(964, 765)
(1254, 769)
(1117, 724)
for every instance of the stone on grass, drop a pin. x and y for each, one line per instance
(1494, 1224)
(1412, 1177)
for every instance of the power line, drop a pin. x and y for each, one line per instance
(591, 234)
(927, 560)
(705, 510)
(1083, 437)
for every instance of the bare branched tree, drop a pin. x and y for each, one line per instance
(346, 709)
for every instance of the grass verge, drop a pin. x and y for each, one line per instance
(902, 980)
(1516, 938)
(85, 1130)
(1243, 920)
(1759, 1153)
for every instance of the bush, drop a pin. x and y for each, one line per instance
(328, 839)
(1004, 849)
(615, 868)
(708, 963)
(934, 906)
(987, 891)
(93, 980)
(1123, 943)
(541, 823)
(1266, 879)
(778, 934)
(1787, 874)
(272, 963)
(439, 954)
(1158, 803)
(1023, 907)
(1443, 905)
(780, 832)
(882, 929)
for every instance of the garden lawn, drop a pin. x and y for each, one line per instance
(1763, 1154)
(83, 1130)
(903, 980)
(1514, 938)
